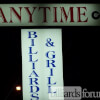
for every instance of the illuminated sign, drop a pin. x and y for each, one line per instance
(41, 62)
(51, 14)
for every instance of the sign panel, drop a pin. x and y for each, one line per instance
(42, 66)
(49, 14)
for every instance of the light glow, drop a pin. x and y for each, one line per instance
(18, 88)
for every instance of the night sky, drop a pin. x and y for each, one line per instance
(80, 62)
(80, 57)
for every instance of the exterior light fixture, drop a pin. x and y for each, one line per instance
(18, 88)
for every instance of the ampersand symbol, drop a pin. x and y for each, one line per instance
(49, 43)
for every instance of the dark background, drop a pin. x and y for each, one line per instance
(80, 58)
(49, 1)
(80, 54)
